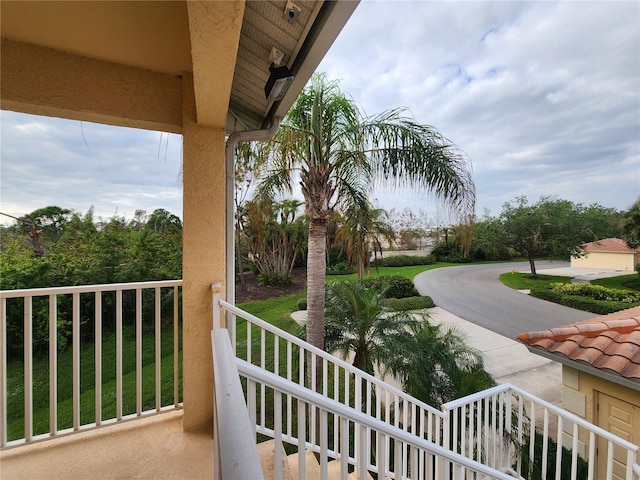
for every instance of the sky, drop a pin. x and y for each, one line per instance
(543, 98)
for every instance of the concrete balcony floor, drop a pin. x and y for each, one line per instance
(154, 447)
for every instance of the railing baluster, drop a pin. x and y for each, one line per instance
(138, 351)
(119, 354)
(559, 442)
(545, 442)
(176, 348)
(344, 446)
(277, 432)
(609, 459)
(302, 439)
(28, 368)
(592, 456)
(3, 372)
(98, 356)
(574, 452)
(76, 359)
(158, 339)
(53, 365)
(324, 443)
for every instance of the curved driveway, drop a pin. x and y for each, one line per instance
(474, 293)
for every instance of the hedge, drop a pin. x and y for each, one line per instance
(395, 286)
(409, 303)
(582, 302)
(404, 261)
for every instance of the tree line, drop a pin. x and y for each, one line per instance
(54, 246)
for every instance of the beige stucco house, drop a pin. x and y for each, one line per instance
(600, 371)
(608, 254)
(196, 68)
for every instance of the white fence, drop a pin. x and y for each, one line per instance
(50, 317)
(504, 428)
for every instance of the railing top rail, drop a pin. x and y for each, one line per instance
(285, 386)
(507, 387)
(321, 353)
(102, 287)
(238, 447)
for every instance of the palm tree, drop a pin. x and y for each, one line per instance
(439, 366)
(362, 229)
(358, 324)
(630, 225)
(327, 147)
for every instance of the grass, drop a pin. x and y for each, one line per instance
(623, 282)
(41, 415)
(407, 272)
(523, 281)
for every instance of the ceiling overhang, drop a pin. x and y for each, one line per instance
(224, 44)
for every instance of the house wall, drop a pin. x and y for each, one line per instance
(608, 261)
(580, 396)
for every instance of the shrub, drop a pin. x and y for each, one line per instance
(392, 286)
(590, 298)
(409, 303)
(302, 304)
(340, 268)
(405, 261)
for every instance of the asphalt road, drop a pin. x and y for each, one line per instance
(475, 294)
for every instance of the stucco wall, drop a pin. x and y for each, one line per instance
(580, 396)
(608, 261)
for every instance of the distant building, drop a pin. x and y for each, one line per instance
(608, 254)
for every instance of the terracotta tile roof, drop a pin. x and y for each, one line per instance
(610, 245)
(609, 342)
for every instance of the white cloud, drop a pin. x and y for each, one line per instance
(544, 98)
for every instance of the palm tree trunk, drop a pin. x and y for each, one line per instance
(316, 270)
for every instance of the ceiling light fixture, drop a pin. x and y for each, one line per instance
(278, 83)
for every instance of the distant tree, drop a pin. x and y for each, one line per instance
(362, 232)
(249, 157)
(275, 236)
(551, 227)
(630, 225)
(484, 244)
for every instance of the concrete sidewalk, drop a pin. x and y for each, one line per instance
(508, 360)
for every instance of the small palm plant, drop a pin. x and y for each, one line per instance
(358, 324)
(439, 366)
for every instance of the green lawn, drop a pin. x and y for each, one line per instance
(407, 272)
(523, 281)
(15, 382)
(623, 282)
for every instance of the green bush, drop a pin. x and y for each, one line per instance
(590, 298)
(302, 304)
(392, 286)
(409, 303)
(531, 467)
(340, 268)
(404, 261)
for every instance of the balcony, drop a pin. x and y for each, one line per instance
(340, 423)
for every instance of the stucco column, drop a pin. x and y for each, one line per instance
(203, 258)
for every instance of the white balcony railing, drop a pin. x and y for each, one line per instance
(389, 451)
(504, 428)
(119, 313)
(506, 425)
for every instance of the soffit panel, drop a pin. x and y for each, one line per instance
(149, 35)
